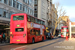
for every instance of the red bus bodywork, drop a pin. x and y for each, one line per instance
(25, 35)
(64, 31)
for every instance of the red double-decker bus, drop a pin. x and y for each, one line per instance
(64, 31)
(26, 29)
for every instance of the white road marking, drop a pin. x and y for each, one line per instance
(18, 48)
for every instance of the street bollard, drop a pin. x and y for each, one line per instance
(67, 37)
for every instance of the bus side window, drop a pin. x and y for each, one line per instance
(37, 32)
(39, 21)
(36, 20)
(43, 23)
(32, 32)
(29, 18)
(32, 19)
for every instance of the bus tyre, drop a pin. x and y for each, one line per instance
(42, 38)
(33, 41)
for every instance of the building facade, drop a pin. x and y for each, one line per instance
(9, 7)
(45, 10)
(40, 10)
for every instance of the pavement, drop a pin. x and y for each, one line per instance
(2, 44)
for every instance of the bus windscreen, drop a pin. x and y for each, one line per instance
(18, 17)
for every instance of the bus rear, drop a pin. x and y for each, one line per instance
(64, 31)
(18, 28)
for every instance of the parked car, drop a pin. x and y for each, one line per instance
(49, 36)
(59, 35)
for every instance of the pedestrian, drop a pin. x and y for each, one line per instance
(1, 38)
(4, 37)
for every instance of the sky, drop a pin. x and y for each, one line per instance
(68, 6)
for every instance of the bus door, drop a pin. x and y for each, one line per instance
(37, 33)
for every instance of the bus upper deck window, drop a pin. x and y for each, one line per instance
(29, 18)
(18, 17)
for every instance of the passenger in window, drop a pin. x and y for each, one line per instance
(36, 33)
(32, 32)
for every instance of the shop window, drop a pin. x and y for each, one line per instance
(32, 32)
(29, 18)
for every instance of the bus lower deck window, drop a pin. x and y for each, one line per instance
(19, 29)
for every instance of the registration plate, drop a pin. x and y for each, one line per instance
(17, 40)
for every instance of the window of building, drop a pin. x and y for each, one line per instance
(10, 2)
(0, 0)
(35, 9)
(23, 0)
(29, 18)
(4, 14)
(20, 6)
(35, 2)
(5, 1)
(27, 2)
(17, 5)
(24, 8)
(35, 15)
(14, 3)
(28, 10)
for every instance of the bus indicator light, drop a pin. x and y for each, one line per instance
(10, 32)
